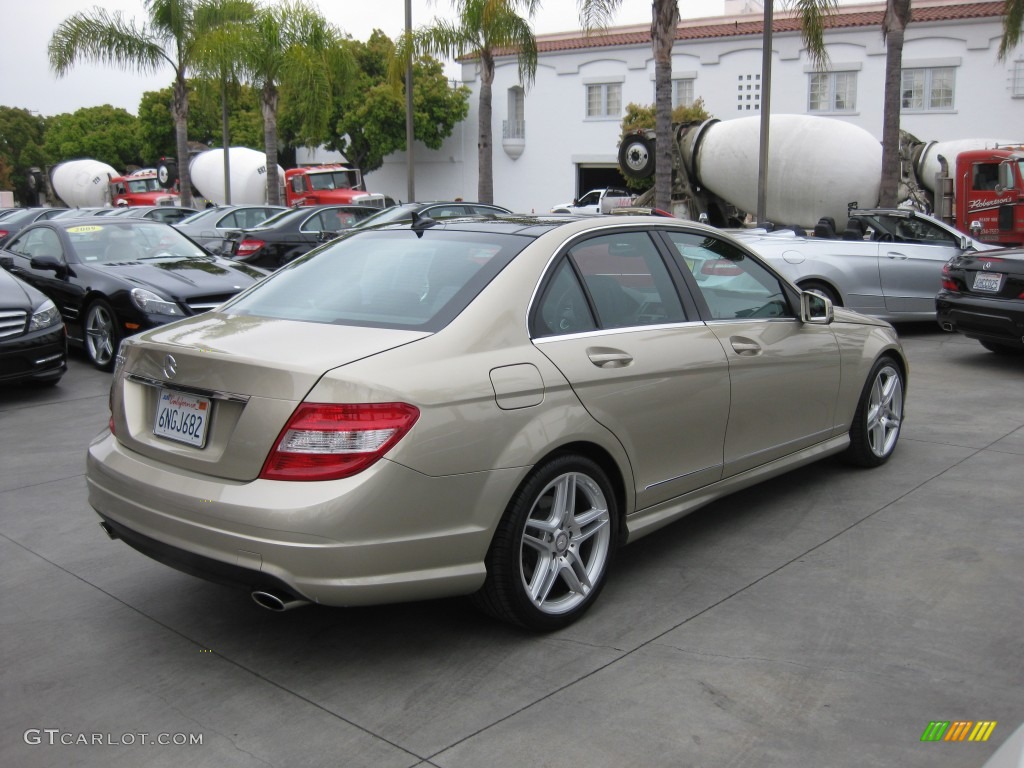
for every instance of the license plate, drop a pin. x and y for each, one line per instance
(987, 281)
(182, 417)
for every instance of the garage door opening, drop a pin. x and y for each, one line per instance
(590, 177)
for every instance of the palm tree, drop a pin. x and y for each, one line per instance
(169, 37)
(664, 21)
(217, 59)
(483, 28)
(1013, 24)
(290, 48)
(894, 26)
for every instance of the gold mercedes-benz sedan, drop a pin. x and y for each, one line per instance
(481, 407)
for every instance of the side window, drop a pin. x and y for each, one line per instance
(231, 220)
(563, 307)
(297, 185)
(608, 282)
(38, 242)
(733, 286)
(313, 223)
(627, 281)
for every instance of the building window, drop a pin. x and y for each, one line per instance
(604, 100)
(1017, 80)
(927, 88)
(515, 126)
(832, 92)
(748, 93)
(682, 93)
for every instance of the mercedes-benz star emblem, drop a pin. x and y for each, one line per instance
(170, 367)
(988, 264)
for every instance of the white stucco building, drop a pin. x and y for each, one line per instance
(560, 138)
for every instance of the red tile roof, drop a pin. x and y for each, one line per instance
(737, 26)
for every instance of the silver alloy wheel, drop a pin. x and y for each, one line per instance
(100, 334)
(565, 543)
(885, 411)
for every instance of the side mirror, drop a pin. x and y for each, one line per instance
(815, 309)
(48, 263)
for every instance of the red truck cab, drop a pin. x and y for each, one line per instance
(989, 195)
(317, 185)
(140, 187)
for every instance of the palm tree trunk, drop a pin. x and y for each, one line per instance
(179, 109)
(269, 104)
(897, 16)
(485, 173)
(663, 33)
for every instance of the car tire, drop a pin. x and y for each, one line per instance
(636, 156)
(1001, 349)
(879, 416)
(101, 335)
(552, 550)
(823, 290)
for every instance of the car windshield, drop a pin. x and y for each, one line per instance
(291, 213)
(384, 279)
(115, 241)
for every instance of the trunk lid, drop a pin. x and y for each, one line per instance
(242, 376)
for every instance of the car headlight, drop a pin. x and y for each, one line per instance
(45, 316)
(152, 304)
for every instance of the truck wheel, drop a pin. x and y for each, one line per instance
(636, 156)
(167, 173)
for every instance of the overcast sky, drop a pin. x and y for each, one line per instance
(26, 80)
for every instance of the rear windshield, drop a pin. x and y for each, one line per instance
(384, 279)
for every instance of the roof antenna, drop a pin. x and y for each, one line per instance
(420, 224)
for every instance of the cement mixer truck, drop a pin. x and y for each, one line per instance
(819, 167)
(91, 183)
(300, 186)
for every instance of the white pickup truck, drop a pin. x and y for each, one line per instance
(597, 201)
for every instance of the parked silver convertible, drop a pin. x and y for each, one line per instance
(887, 263)
(485, 407)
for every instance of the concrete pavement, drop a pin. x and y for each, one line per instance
(824, 618)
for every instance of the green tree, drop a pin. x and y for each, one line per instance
(296, 60)
(483, 28)
(169, 37)
(1013, 25)
(664, 21)
(369, 119)
(21, 147)
(156, 123)
(108, 134)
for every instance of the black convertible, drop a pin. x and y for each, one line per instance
(113, 277)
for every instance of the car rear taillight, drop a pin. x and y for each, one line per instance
(248, 247)
(324, 441)
(721, 267)
(948, 283)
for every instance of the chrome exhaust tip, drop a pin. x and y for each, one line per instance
(277, 603)
(107, 529)
(947, 327)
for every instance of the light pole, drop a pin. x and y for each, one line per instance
(410, 172)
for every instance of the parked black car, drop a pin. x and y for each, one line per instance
(17, 221)
(438, 209)
(289, 234)
(113, 277)
(33, 343)
(169, 214)
(982, 297)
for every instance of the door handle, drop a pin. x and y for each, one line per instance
(603, 357)
(896, 256)
(745, 347)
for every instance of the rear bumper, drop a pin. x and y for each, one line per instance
(997, 320)
(386, 535)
